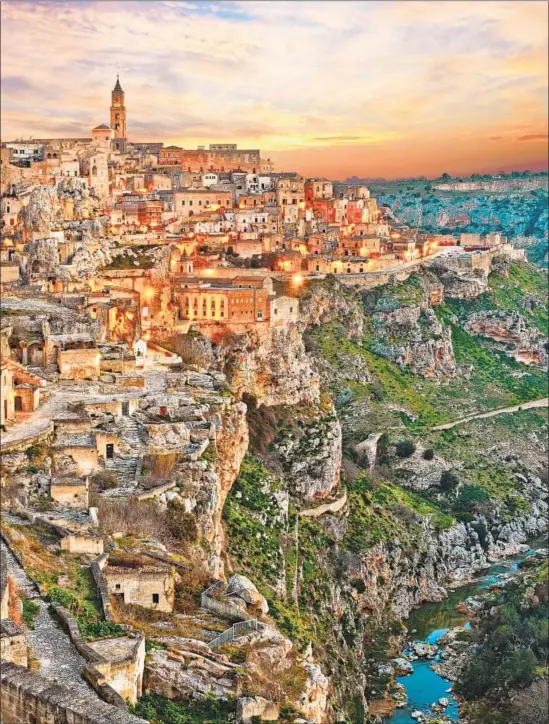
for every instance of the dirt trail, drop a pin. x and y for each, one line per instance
(515, 408)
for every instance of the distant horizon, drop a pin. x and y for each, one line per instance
(391, 89)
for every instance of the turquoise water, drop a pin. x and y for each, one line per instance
(429, 623)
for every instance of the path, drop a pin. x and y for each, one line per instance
(501, 411)
(59, 660)
(40, 420)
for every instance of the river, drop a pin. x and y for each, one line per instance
(429, 623)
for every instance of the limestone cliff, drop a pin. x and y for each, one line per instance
(524, 344)
(406, 330)
(272, 365)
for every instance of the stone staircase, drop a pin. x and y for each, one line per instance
(125, 465)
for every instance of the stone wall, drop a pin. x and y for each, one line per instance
(71, 494)
(79, 364)
(28, 698)
(115, 665)
(13, 643)
(147, 587)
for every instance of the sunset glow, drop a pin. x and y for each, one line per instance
(327, 88)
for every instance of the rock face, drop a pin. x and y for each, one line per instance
(311, 458)
(256, 706)
(524, 344)
(188, 672)
(464, 285)
(43, 211)
(43, 255)
(205, 489)
(323, 303)
(272, 366)
(411, 335)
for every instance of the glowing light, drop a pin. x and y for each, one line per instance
(208, 272)
(149, 292)
(297, 279)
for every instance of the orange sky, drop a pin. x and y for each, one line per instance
(336, 89)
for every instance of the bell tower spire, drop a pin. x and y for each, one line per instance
(118, 111)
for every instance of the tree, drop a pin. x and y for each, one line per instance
(405, 448)
(448, 481)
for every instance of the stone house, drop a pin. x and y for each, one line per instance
(70, 492)
(147, 586)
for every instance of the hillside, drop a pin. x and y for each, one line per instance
(519, 211)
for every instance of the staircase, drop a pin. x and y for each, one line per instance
(125, 465)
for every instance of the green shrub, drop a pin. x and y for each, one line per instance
(99, 629)
(428, 454)
(405, 448)
(448, 481)
(30, 612)
(160, 710)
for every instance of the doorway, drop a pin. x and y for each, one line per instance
(109, 451)
(126, 408)
(18, 403)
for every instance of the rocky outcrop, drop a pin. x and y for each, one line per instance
(464, 285)
(189, 670)
(241, 588)
(205, 484)
(412, 336)
(311, 458)
(329, 300)
(43, 211)
(249, 708)
(524, 344)
(272, 365)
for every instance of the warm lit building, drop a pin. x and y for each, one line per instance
(316, 188)
(226, 302)
(190, 202)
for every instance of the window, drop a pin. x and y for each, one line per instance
(183, 202)
(156, 597)
(117, 586)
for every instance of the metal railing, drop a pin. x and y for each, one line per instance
(238, 629)
(217, 586)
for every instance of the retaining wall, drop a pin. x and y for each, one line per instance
(29, 698)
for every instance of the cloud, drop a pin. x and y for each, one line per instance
(534, 137)
(283, 76)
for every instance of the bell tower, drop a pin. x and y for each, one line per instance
(118, 111)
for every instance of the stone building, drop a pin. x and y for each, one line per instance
(13, 643)
(70, 492)
(223, 302)
(7, 405)
(190, 202)
(147, 586)
(118, 112)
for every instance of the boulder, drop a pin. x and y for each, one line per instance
(256, 706)
(403, 666)
(243, 588)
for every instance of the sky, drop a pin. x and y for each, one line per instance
(373, 89)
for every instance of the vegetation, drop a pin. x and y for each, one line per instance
(405, 448)
(30, 612)
(181, 525)
(159, 710)
(511, 648)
